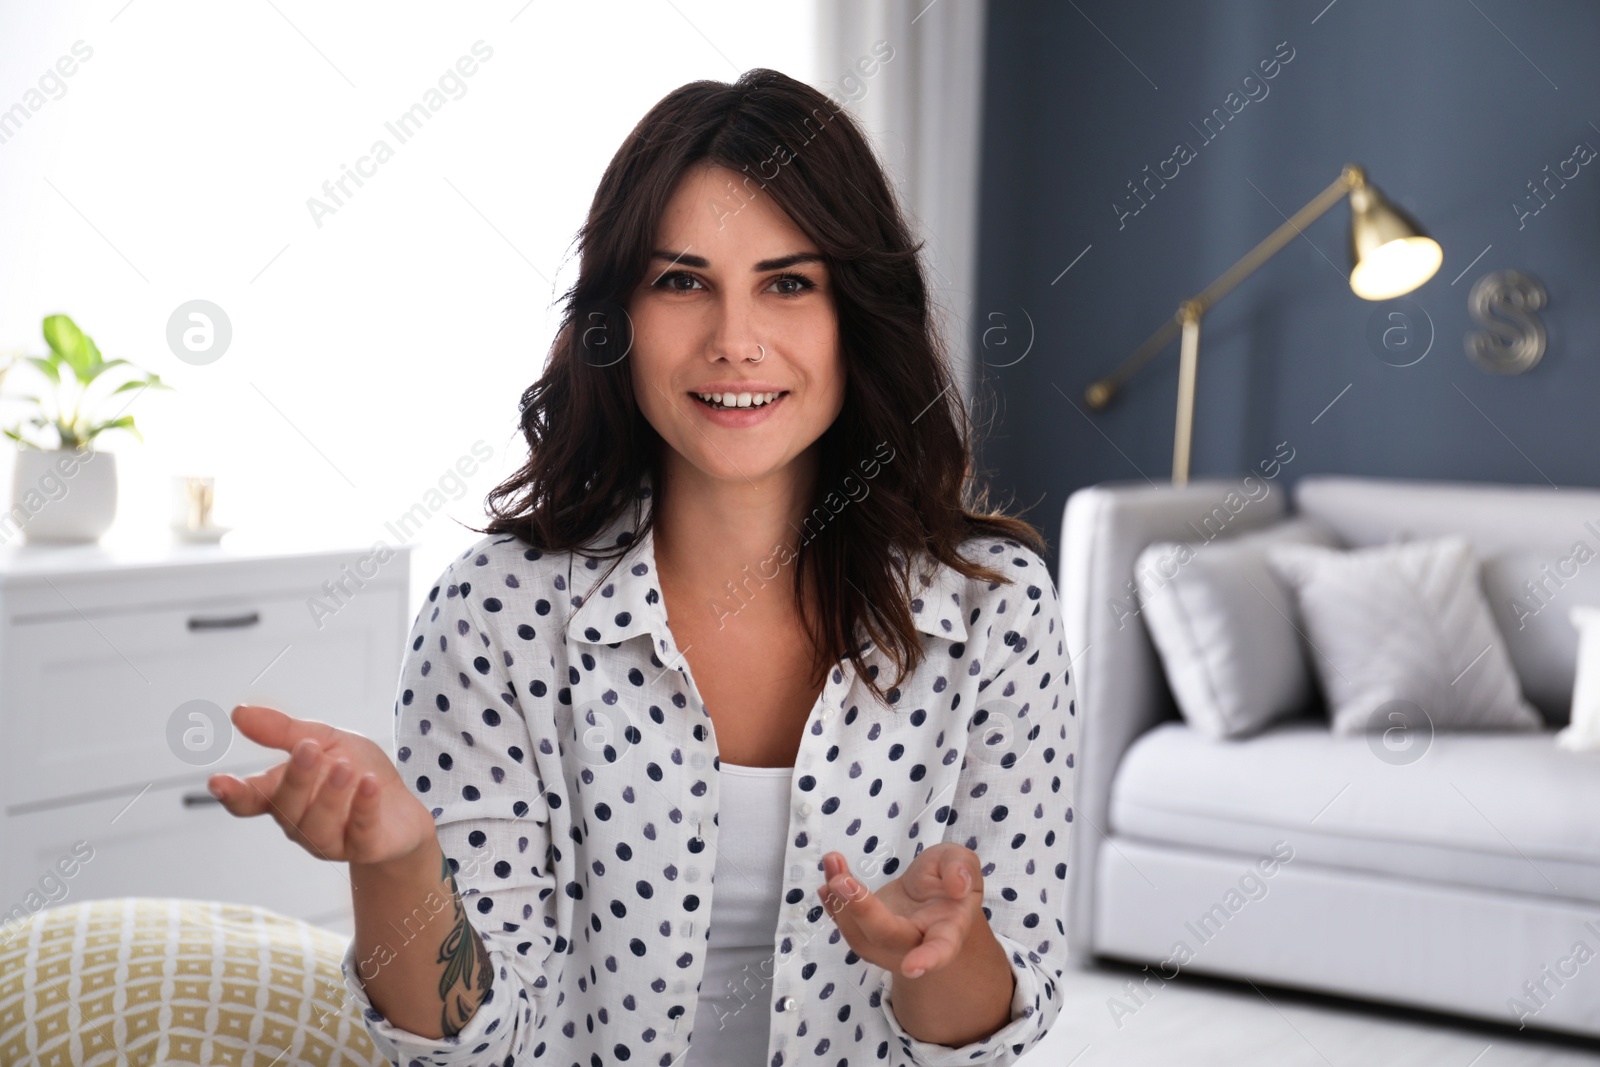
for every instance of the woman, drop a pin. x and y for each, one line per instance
(859, 726)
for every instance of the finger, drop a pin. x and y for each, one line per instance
(248, 796)
(272, 728)
(363, 821)
(941, 943)
(870, 916)
(836, 906)
(957, 875)
(324, 820)
(299, 782)
(934, 878)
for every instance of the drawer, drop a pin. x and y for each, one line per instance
(88, 699)
(161, 847)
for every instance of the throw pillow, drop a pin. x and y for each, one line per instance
(1404, 622)
(1225, 628)
(158, 980)
(1583, 733)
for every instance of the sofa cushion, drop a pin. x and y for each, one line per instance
(1503, 811)
(1225, 627)
(1404, 624)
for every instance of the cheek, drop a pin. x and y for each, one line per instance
(837, 383)
(645, 380)
(647, 390)
(646, 364)
(836, 397)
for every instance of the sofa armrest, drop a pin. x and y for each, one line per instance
(1121, 690)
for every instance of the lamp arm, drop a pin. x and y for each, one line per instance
(1099, 393)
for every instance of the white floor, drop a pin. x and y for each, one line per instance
(1197, 1021)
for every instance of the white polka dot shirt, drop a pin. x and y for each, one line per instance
(548, 719)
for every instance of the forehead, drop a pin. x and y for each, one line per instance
(714, 207)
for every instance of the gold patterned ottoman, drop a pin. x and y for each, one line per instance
(163, 981)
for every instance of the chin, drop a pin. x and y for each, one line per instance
(735, 469)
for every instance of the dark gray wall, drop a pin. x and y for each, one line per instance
(1452, 114)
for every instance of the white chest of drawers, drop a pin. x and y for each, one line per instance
(103, 653)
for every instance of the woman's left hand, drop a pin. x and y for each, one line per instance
(917, 923)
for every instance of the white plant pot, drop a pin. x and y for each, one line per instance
(62, 496)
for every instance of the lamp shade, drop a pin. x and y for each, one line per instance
(1390, 255)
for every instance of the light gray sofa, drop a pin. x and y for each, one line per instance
(1463, 881)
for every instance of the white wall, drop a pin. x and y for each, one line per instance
(368, 353)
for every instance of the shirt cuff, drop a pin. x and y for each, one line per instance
(1021, 1030)
(403, 1046)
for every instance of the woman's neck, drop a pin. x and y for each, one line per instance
(710, 533)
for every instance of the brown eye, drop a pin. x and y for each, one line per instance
(800, 281)
(667, 281)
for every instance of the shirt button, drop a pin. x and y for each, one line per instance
(805, 809)
(786, 1004)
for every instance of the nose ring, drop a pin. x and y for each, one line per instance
(763, 354)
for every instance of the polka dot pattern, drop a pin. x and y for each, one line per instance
(547, 718)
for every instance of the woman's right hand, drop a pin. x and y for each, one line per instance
(338, 796)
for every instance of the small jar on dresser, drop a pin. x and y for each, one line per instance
(118, 668)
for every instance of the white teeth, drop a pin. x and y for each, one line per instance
(739, 400)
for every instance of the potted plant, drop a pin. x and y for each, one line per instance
(64, 491)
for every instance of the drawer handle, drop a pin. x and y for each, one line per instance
(227, 622)
(198, 798)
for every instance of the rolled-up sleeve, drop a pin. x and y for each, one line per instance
(464, 746)
(1013, 807)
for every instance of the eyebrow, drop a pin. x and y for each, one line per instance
(701, 262)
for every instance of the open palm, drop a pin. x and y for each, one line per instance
(919, 921)
(338, 796)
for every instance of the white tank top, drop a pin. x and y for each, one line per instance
(731, 1021)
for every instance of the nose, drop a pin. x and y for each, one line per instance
(736, 333)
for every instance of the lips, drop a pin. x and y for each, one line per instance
(738, 399)
(737, 417)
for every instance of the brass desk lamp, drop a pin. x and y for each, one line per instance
(1390, 255)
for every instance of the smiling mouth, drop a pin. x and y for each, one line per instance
(738, 401)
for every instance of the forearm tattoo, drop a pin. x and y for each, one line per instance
(468, 972)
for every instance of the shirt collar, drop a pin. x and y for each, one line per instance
(628, 602)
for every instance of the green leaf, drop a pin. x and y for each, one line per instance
(48, 367)
(93, 350)
(68, 341)
(123, 423)
(100, 368)
(63, 335)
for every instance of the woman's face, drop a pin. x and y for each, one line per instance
(731, 271)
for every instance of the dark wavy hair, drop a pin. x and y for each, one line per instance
(589, 446)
